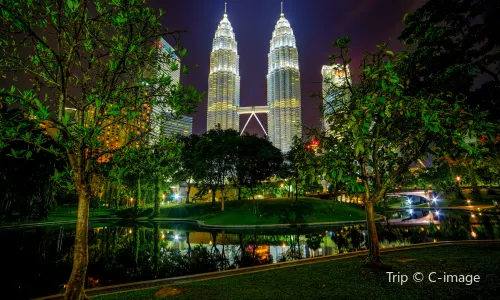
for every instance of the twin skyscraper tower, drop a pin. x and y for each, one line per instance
(283, 85)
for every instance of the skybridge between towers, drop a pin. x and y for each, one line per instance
(253, 111)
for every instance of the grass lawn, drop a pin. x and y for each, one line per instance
(347, 279)
(269, 211)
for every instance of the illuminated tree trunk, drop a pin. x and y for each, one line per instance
(213, 197)
(76, 284)
(373, 250)
(296, 190)
(156, 196)
(188, 191)
(138, 197)
(222, 193)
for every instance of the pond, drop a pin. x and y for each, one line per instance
(36, 262)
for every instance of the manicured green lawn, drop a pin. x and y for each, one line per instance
(347, 279)
(269, 211)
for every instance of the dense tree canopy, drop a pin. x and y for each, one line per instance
(85, 66)
(384, 127)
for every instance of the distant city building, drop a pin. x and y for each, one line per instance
(161, 114)
(183, 126)
(224, 79)
(335, 80)
(283, 87)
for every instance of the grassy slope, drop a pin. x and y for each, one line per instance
(344, 279)
(270, 211)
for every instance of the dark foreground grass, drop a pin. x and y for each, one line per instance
(269, 211)
(347, 279)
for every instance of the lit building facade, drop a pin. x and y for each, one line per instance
(161, 113)
(224, 79)
(335, 80)
(182, 126)
(283, 87)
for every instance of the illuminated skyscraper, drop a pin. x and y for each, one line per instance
(334, 89)
(283, 87)
(224, 79)
(161, 114)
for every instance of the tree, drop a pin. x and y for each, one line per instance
(383, 128)
(300, 165)
(256, 160)
(216, 158)
(185, 170)
(455, 47)
(27, 186)
(150, 165)
(455, 50)
(95, 57)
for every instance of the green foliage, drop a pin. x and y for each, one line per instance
(454, 43)
(383, 127)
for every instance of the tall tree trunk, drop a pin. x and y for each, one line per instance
(118, 197)
(373, 253)
(239, 192)
(156, 211)
(76, 284)
(222, 194)
(213, 197)
(296, 191)
(475, 194)
(188, 191)
(138, 197)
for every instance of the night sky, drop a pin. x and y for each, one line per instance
(316, 23)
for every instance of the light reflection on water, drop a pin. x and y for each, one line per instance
(39, 259)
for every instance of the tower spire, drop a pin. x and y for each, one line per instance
(225, 7)
(282, 14)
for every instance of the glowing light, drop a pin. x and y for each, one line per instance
(437, 213)
(458, 178)
(474, 235)
(176, 196)
(210, 243)
(434, 199)
(411, 211)
(472, 215)
(131, 199)
(283, 245)
(438, 227)
(163, 196)
(130, 231)
(176, 237)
